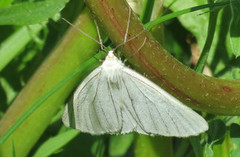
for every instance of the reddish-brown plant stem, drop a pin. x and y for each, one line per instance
(201, 92)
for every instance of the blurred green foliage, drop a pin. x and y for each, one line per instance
(184, 37)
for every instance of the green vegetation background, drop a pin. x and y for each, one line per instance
(32, 35)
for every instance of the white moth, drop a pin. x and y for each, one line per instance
(114, 99)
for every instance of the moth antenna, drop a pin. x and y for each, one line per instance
(145, 39)
(98, 42)
(128, 24)
(99, 35)
(126, 34)
(130, 39)
(142, 45)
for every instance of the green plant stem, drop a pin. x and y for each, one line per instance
(182, 148)
(69, 54)
(151, 24)
(147, 11)
(197, 147)
(200, 92)
(158, 146)
(211, 30)
(91, 62)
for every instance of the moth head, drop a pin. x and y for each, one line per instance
(112, 64)
(111, 56)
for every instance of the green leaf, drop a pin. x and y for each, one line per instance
(8, 89)
(216, 134)
(5, 3)
(235, 138)
(28, 13)
(197, 147)
(147, 11)
(119, 145)
(55, 143)
(195, 22)
(152, 146)
(217, 130)
(220, 55)
(236, 73)
(11, 47)
(99, 146)
(13, 149)
(210, 34)
(235, 27)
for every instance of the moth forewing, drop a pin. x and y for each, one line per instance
(163, 112)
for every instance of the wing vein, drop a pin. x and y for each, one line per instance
(138, 121)
(94, 109)
(111, 95)
(155, 108)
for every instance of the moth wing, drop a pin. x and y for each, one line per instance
(73, 115)
(157, 112)
(93, 110)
